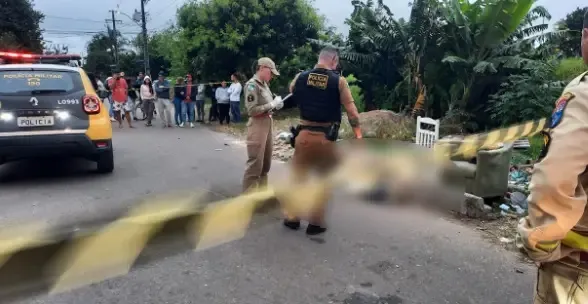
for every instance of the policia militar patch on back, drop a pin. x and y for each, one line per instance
(318, 81)
(555, 120)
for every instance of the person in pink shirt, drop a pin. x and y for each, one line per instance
(120, 96)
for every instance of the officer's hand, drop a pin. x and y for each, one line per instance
(278, 102)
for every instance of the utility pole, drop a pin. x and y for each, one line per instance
(145, 42)
(114, 36)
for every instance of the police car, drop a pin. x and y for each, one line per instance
(49, 107)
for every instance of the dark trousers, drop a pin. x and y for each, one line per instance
(200, 110)
(213, 114)
(223, 112)
(149, 108)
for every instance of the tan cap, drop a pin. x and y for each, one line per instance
(265, 61)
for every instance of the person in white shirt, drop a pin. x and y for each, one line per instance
(223, 99)
(235, 98)
(148, 98)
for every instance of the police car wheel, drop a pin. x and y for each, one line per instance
(105, 161)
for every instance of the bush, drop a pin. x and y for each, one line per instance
(527, 96)
(570, 68)
(531, 154)
(355, 91)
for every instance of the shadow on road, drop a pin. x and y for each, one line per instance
(47, 170)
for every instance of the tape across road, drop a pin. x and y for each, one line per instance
(38, 259)
(468, 147)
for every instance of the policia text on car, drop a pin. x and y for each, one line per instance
(319, 93)
(555, 233)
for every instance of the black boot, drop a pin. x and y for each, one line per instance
(314, 229)
(294, 225)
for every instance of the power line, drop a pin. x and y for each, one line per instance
(57, 31)
(77, 19)
(160, 12)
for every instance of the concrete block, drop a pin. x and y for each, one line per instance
(474, 207)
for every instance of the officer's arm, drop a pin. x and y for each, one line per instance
(557, 200)
(349, 104)
(293, 83)
(252, 100)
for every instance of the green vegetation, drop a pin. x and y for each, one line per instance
(20, 26)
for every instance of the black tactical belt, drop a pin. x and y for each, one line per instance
(314, 128)
(331, 132)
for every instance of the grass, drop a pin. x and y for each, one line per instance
(530, 155)
(570, 68)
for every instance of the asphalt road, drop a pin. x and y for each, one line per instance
(370, 255)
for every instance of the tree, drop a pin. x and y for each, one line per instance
(569, 44)
(536, 88)
(101, 55)
(159, 45)
(215, 38)
(20, 26)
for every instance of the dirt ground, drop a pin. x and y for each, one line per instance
(501, 231)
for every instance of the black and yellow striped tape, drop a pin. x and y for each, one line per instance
(43, 260)
(468, 147)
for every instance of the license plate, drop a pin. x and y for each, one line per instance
(36, 121)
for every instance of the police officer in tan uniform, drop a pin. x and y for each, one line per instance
(260, 102)
(319, 93)
(555, 233)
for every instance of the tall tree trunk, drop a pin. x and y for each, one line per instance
(369, 103)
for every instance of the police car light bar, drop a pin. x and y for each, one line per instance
(14, 57)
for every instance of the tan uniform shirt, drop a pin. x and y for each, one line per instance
(557, 225)
(258, 97)
(345, 98)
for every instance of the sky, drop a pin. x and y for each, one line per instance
(73, 22)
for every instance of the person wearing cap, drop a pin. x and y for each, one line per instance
(319, 93)
(120, 98)
(148, 97)
(259, 102)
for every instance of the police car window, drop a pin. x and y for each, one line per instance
(15, 82)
